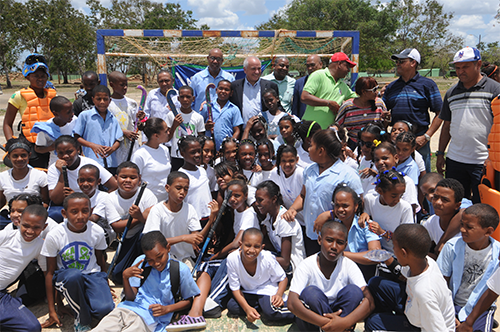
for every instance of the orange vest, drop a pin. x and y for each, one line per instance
(37, 111)
(494, 136)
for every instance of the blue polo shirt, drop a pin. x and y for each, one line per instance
(411, 100)
(359, 238)
(157, 290)
(93, 128)
(320, 187)
(410, 168)
(199, 82)
(225, 120)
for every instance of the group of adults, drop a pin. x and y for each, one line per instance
(465, 112)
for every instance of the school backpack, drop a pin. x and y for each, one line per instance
(174, 277)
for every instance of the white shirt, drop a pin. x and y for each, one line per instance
(16, 254)
(493, 283)
(125, 111)
(267, 275)
(282, 229)
(42, 139)
(434, 228)
(308, 274)
(194, 124)
(290, 188)
(304, 159)
(389, 218)
(410, 195)
(51, 223)
(122, 206)
(31, 184)
(212, 178)
(102, 206)
(253, 179)
(53, 174)
(367, 182)
(420, 161)
(429, 304)
(199, 194)
(75, 250)
(172, 224)
(155, 167)
(245, 220)
(272, 122)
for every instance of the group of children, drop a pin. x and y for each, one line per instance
(291, 205)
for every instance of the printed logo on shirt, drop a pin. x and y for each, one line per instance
(76, 255)
(190, 130)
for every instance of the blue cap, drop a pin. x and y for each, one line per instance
(33, 62)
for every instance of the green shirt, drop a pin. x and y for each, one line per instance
(321, 84)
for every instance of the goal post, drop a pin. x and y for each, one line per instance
(166, 45)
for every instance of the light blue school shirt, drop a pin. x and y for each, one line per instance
(451, 263)
(320, 187)
(93, 128)
(157, 290)
(225, 120)
(410, 168)
(199, 82)
(252, 103)
(358, 237)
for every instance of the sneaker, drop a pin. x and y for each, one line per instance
(187, 323)
(213, 313)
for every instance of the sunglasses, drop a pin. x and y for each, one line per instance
(35, 58)
(368, 144)
(374, 89)
(400, 61)
(213, 58)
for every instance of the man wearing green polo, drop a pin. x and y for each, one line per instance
(326, 90)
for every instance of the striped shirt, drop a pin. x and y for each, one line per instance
(471, 118)
(353, 118)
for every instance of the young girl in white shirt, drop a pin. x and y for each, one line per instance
(246, 157)
(265, 156)
(207, 157)
(153, 158)
(305, 130)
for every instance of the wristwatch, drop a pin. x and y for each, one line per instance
(439, 153)
(427, 137)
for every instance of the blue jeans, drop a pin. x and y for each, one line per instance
(425, 151)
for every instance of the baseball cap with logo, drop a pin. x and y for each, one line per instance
(341, 56)
(408, 53)
(467, 54)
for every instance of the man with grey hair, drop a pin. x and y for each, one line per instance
(313, 63)
(248, 91)
(285, 83)
(156, 103)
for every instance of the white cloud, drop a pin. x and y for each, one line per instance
(468, 22)
(467, 7)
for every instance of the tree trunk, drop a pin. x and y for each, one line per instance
(9, 84)
(65, 76)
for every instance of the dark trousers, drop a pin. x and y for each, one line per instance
(315, 300)
(88, 295)
(15, 316)
(390, 297)
(131, 249)
(262, 302)
(484, 322)
(219, 289)
(312, 246)
(176, 163)
(469, 175)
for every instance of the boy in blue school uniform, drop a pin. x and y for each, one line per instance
(98, 131)
(75, 261)
(150, 304)
(467, 262)
(226, 116)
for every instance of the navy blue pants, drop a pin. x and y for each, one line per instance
(88, 295)
(484, 322)
(390, 298)
(55, 212)
(315, 300)
(469, 175)
(131, 249)
(219, 289)
(14, 316)
(262, 302)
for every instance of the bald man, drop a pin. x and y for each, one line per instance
(313, 63)
(212, 74)
(247, 92)
(285, 83)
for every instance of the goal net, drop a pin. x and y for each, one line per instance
(149, 50)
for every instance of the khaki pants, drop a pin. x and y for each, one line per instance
(121, 319)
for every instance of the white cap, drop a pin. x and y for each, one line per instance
(409, 53)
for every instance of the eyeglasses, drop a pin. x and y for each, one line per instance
(34, 59)
(368, 144)
(374, 89)
(213, 58)
(401, 61)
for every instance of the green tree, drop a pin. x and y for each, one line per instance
(377, 24)
(10, 46)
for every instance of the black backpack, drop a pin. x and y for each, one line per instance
(174, 278)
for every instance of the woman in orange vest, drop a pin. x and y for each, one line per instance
(32, 103)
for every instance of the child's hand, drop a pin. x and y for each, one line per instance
(252, 121)
(367, 172)
(252, 315)
(209, 126)
(131, 135)
(194, 238)
(277, 300)
(53, 319)
(289, 215)
(141, 115)
(374, 227)
(177, 121)
(335, 323)
(363, 219)
(462, 327)
(256, 169)
(214, 207)
(99, 150)
(133, 271)
(67, 191)
(135, 212)
(60, 163)
(63, 310)
(159, 310)
(320, 221)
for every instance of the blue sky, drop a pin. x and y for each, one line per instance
(472, 18)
